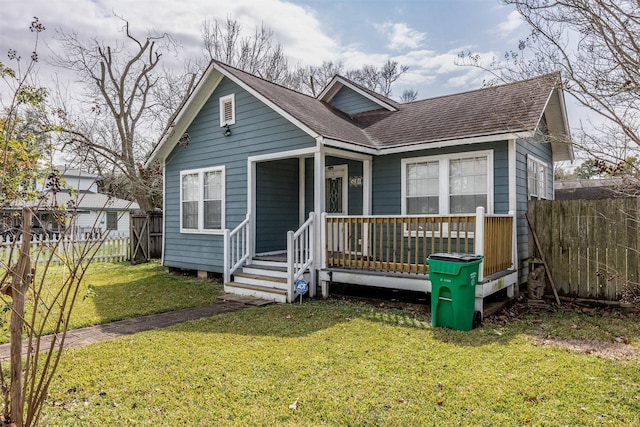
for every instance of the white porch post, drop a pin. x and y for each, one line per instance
(479, 238)
(366, 187)
(479, 250)
(514, 290)
(251, 199)
(318, 207)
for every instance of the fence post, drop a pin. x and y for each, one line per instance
(479, 239)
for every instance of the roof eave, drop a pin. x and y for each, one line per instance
(558, 125)
(427, 145)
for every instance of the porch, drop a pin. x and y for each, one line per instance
(380, 251)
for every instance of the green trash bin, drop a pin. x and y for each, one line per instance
(453, 290)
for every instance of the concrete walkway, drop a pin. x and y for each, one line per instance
(92, 334)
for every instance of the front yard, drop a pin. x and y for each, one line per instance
(115, 291)
(348, 363)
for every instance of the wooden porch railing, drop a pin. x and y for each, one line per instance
(300, 256)
(236, 248)
(401, 244)
(498, 243)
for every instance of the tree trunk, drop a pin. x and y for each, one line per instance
(19, 285)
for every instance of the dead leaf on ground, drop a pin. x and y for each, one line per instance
(294, 405)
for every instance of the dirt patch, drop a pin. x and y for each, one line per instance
(615, 350)
(614, 347)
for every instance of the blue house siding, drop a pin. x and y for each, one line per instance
(542, 151)
(351, 102)
(386, 199)
(258, 130)
(276, 204)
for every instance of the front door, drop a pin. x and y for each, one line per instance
(336, 201)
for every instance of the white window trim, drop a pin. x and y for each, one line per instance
(201, 229)
(223, 100)
(443, 179)
(547, 167)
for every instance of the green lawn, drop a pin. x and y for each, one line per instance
(352, 364)
(115, 291)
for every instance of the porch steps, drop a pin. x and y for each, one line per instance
(263, 279)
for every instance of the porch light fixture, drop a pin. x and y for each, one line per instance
(227, 131)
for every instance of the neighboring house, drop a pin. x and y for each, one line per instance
(354, 187)
(96, 213)
(592, 189)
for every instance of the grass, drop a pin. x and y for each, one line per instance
(342, 363)
(115, 291)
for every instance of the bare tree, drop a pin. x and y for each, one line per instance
(120, 81)
(594, 44)
(378, 79)
(409, 95)
(259, 54)
(312, 79)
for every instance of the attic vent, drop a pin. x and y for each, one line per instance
(227, 110)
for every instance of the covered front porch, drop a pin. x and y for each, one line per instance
(379, 251)
(391, 251)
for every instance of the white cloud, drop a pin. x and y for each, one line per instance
(401, 36)
(514, 22)
(296, 27)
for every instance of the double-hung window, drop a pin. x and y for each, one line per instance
(423, 189)
(537, 178)
(447, 184)
(467, 184)
(202, 200)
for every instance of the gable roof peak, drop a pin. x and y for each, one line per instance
(339, 81)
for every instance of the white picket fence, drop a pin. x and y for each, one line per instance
(59, 248)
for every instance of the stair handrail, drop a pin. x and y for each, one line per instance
(236, 248)
(301, 256)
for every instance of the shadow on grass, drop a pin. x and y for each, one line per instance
(295, 321)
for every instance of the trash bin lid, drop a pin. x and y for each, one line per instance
(454, 257)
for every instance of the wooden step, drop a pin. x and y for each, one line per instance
(270, 271)
(255, 290)
(260, 279)
(258, 288)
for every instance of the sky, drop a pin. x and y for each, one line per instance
(426, 35)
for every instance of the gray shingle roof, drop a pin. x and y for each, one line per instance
(509, 108)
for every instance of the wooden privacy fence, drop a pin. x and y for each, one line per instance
(591, 246)
(59, 248)
(146, 236)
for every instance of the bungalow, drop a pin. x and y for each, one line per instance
(269, 186)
